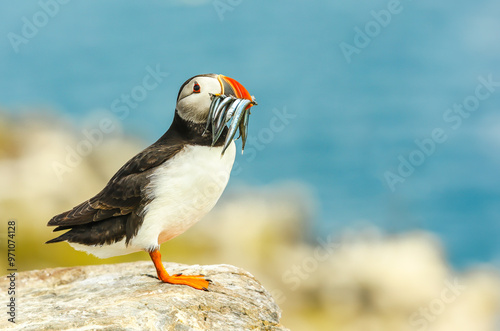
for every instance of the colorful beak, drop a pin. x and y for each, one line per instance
(231, 86)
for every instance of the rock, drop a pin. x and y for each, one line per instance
(121, 296)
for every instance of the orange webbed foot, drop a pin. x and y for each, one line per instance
(198, 282)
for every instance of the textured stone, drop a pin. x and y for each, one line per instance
(121, 296)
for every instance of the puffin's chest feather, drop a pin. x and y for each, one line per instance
(184, 189)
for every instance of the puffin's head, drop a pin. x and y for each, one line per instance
(195, 95)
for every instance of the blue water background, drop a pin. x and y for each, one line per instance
(352, 119)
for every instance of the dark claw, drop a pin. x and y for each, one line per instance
(204, 289)
(209, 281)
(179, 274)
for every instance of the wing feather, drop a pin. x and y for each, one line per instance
(124, 192)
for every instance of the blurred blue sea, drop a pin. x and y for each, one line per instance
(349, 122)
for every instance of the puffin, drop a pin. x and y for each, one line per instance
(166, 188)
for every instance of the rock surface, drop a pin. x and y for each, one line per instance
(121, 296)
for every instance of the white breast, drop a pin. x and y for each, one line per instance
(183, 190)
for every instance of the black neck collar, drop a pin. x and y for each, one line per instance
(191, 133)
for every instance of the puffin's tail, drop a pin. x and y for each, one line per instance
(56, 240)
(101, 232)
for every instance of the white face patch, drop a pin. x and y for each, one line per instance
(193, 106)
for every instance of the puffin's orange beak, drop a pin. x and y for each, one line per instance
(239, 90)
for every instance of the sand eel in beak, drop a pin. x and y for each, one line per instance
(225, 108)
(169, 186)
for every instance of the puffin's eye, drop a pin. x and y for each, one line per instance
(196, 87)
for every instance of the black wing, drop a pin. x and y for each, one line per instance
(123, 194)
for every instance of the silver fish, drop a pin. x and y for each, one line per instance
(221, 120)
(219, 113)
(224, 102)
(244, 129)
(231, 109)
(224, 109)
(238, 116)
(216, 99)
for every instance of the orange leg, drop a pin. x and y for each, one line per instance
(198, 282)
